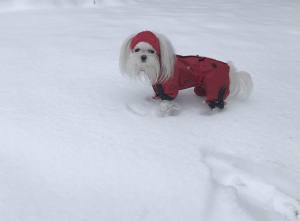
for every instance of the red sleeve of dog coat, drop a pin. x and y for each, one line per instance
(166, 91)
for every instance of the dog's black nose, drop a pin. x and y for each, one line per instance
(144, 58)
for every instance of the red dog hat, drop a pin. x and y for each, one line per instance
(146, 36)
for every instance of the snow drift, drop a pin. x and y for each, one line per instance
(36, 4)
(71, 149)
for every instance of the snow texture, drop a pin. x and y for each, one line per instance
(79, 141)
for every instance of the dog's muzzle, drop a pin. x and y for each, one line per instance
(143, 58)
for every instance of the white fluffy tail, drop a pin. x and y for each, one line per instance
(241, 84)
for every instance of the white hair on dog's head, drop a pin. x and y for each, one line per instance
(124, 55)
(167, 57)
(143, 61)
(143, 69)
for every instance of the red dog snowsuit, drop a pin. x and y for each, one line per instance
(209, 78)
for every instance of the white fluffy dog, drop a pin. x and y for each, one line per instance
(149, 55)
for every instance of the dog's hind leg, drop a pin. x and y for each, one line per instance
(220, 103)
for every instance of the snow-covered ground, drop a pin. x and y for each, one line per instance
(78, 141)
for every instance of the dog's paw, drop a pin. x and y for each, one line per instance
(168, 108)
(214, 104)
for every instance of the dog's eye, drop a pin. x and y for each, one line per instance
(151, 51)
(137, 50)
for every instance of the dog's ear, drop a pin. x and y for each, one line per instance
(124, 54)
(167, 57)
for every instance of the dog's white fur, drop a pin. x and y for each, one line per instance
(156, 69)
(159, 69)
(149, 69)
(241, 84)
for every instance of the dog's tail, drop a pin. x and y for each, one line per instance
(241, 84)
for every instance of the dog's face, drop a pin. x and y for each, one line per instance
(144, 62)
(144, 53)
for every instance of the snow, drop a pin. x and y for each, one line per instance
(79, 141)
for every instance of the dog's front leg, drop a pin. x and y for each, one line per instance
(169, 108)
(167, 104)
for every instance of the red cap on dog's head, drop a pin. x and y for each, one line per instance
(146, 36)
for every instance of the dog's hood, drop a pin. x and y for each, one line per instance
(146, 36)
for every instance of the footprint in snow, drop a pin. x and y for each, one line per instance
(252, 189)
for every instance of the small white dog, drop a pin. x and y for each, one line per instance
(148, 55)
